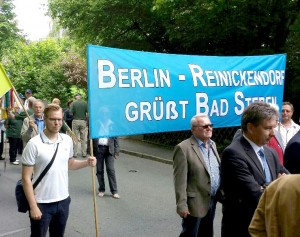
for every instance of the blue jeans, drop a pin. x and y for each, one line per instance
(200, 227)
(54, 218)
(105, 156)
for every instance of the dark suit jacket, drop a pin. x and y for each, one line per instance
(113, 144)
(191, 178)
(238, 134)
(242, 178)
(292, 154)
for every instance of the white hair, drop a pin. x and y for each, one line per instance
(194, 121)
(275, 106)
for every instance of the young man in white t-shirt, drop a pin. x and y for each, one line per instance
(49, 202)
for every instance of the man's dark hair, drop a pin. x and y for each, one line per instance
(256, 112)
(69, 102)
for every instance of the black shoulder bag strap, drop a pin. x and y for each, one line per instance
(46, 169)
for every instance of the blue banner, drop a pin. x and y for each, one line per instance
(133, 92)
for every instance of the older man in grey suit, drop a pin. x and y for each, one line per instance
(196, 166)
(34, 124)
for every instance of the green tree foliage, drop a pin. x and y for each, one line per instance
(202, 27)
(9, 33)
(292, 83)
(50, 68)
(215, 27)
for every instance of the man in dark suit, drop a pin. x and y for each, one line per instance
(197, 179)
(107, 150)
(247, 167)
(275, 142)
(292, 155)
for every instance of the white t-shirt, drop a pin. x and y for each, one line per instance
(38, 153)
(103, 141)
(287, 133)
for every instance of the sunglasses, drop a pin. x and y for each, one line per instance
(205, 126)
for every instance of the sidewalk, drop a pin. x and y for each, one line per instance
(146, 150)
(134, 147)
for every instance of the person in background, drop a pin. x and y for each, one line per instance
(21, 115)
(196, 175)
(56, 101)
(13, 133)
(247, 167)
(49, 202)
(28, 95)
(22, 101)
(20, 142)
(2, 138)
(106, 150)
(22, 97)
(64, 127)
(33, 125)
(2, 129)
(292, 155)
(278, 210)
(68, 117)
(277, 144)
(79, 110)
(287, 127)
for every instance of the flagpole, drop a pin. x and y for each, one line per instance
(94, 191)
(9, 85)
(5, 152)
(16, 93)
(93, 170)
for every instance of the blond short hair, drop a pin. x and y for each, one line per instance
(51, 107)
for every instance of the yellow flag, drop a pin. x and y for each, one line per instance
(5, 83)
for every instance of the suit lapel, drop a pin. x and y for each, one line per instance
(252, 155)
(196, 148)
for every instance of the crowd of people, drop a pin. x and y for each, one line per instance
(253, 180)
(36, 131)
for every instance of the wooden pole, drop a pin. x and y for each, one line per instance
(16, 93)
(5, 152)
(94, 191)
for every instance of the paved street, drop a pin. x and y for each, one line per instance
(146, 207)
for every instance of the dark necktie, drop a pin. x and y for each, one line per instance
(265, 166)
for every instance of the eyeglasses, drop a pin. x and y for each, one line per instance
(54, 120)
(205, 126)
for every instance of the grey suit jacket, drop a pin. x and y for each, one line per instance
(191, 178)
(26, 132)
